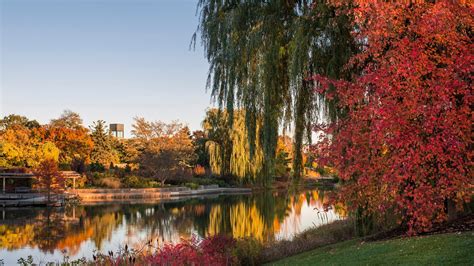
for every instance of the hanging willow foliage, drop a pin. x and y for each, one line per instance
(215, 157)
(260, 55)
(242, 163)
(228, 148)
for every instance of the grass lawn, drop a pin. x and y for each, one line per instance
(444, 249)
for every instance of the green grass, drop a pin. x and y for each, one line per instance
(445, 249)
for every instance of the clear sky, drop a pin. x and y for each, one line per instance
(105, 59)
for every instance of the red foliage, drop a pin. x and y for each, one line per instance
(406, 139)
(215, 250)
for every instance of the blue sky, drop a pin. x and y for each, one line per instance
(105, 59)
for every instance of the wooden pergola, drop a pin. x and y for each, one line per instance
(66, 174)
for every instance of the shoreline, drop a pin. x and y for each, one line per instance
(90, 196)
(155, 194)
(126, 195)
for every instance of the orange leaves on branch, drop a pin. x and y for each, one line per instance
(49, 178)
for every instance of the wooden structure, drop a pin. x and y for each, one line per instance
(66, 174)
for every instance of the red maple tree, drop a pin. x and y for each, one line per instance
(405, 141)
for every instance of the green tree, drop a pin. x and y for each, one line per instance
(199, 139)
(103, 151)
(219, 142)
(261, 54)
(228, 148)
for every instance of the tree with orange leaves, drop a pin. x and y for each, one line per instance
(49, 178)
(70, 136)
(165, 150)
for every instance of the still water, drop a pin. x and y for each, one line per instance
(79, 231)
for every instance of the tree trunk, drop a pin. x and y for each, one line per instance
(451, 209)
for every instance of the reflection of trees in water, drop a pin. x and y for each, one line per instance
(43, 230)
(261, 216)
(249, 216)
(15, 237)
(159, 223)
(50, 229)
(95, 223)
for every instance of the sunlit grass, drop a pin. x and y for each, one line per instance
(445, 249)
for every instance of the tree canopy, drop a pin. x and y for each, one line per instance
(261, 54)
(164, 150)
(406, 142)
(103, 151)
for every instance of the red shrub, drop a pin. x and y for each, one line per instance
(215, 250)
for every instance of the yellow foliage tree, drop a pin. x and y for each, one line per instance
(19, 147)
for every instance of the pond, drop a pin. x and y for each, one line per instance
(49, 234)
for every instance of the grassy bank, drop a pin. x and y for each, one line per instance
(444, 249)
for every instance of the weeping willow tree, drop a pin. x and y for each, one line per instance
(228, 148)
(261, 54)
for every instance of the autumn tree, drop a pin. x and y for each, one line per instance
(68, 134)
(405, 143)
(22, 147)
(68, 119)
(49, 177)
(165, 150)
(283, 157)
(13, 120)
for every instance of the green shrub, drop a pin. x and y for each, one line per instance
(154, 184)
(209, 181)
(248, 250)
(96, 167)
(133, 181)
(192, 185)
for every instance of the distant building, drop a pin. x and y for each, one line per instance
(117, 130)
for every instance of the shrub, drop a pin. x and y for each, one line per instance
(209, 181)
(248, 250)
(154, 184)
(192, 185)
(215, 250)
(110, 182)
(310, 239)
(134, 181)
(199, 171)
(96, 167)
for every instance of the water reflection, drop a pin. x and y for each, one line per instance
(80, 230)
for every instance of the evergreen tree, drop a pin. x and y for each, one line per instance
(103, 151)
